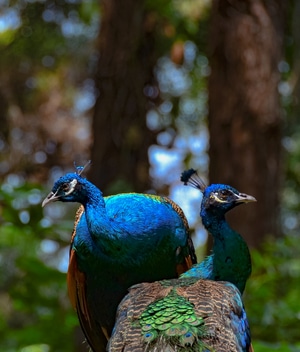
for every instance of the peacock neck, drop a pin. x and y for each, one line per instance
(97, 220)
(231, 259)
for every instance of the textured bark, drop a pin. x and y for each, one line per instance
(125, 67)
(245, 119)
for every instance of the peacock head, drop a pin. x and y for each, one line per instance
(217, 198)
(68, 188)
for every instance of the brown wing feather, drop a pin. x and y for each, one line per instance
(183, 267)
(178, 210)
(213, 301)
(190, 257)
(76, 287)
(126, 336)
(216, 302)
(78, 215)
(76, 281)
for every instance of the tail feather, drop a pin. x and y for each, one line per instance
(181, 315)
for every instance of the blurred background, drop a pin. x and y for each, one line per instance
(146, 89)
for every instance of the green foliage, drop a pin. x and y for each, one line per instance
(47, 58)
(270, 347)
(35, 312)
(47, 27)
(272, 295)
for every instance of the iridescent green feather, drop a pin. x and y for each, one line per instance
(184, 315)
(172, 321)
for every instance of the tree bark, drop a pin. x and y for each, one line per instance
(245, 119)
(125, 68)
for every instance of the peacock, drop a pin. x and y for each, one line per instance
(230, 259)
(203, 309)
(185, 314)
(118, 241)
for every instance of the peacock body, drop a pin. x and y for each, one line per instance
(118, 241)
(185, 314)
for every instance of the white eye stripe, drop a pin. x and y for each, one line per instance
(72, 184)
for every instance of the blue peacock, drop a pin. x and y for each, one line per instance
(230, 259)
(118, 241)
(189, 313)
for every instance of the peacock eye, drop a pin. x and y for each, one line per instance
(65, 187)
(224, 193)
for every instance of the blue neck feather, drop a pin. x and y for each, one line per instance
(100, 229)
(95, 212)
(230, 259)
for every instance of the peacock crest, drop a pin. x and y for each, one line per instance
(80, 169)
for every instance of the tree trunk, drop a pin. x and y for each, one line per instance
(245, 120)
(125, 68)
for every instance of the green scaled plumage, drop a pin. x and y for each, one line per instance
(173, 318)
(186, 314)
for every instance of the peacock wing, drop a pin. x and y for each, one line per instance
(189, 250)
(225, 317)
(76, 282)
(181, 315)
(75, 279)
(154, 317)
(168, 222)
(127, 333)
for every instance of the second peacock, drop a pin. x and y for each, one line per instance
(230, 259)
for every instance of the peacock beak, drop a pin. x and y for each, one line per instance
(51, 197)
(244, 198)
